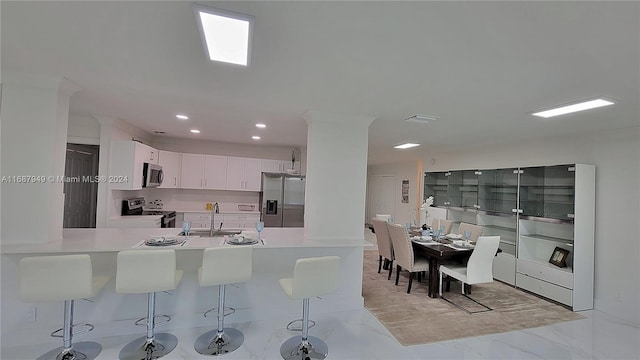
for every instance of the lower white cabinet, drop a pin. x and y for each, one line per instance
(198, 220)
(546, 289)
(240, 221)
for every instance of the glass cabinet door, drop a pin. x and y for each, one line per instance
(559, 192)
(436, 185)
(454, 191)
(487, 190)
(469, 189)
(532, 191)
(506, 190)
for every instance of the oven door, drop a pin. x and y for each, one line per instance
(152, 175)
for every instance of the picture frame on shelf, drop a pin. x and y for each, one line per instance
(559, 257)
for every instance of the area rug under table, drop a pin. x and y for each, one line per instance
(418, 319)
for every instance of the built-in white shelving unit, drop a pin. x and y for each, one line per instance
(534, 210)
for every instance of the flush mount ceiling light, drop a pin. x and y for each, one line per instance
(182, 117)
(261, 126)
(195, 131)
(226, 35)
(586, 105)
(421, 119)
(406, 146)
(255, 137)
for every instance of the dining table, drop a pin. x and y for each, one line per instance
(436, 252)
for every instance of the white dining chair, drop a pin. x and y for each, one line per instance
(476, 230)
(385, 248)
(479, 269)
(403, 251)
(438, 223)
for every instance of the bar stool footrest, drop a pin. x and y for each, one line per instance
(290, 326)
(142, 321)
(227, 311)
(89, 326)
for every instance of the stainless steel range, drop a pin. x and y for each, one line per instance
(135, 206)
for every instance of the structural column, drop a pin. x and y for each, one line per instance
(336, 178)
(34, 115)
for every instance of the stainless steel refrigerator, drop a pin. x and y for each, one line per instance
(282, 200)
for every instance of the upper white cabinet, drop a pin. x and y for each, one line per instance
(171, 163)
(203, 172)
(279, 166)
(127, 159)
(243, 174)
(215, 172)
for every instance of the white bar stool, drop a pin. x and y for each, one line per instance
(62, 277)
(311, 277)
(221, 266)
(148, 271)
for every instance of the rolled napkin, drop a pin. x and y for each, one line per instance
(454, 236)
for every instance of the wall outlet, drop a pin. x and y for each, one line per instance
(29, 315)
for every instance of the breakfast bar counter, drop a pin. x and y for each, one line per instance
(113, 313)
(109, 240)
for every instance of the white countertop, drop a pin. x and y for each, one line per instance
(108, 240)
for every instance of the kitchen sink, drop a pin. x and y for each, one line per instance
(207, 233)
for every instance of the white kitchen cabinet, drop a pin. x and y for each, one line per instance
(203, 172)
(215, 172)
(279, 166)
(240, 221)
(244, 174)
(127, 159)
(171, 163)
(199, 220)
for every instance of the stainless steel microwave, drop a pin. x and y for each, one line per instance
(152, 175)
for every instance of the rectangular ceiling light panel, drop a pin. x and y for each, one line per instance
(406, 146)
(592, 104)
(226, 35)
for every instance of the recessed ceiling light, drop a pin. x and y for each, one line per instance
(255, 137)
(592, 104)
(226, 35)
(406, 146)
(261, 126)
(195, 131)
(182, 117)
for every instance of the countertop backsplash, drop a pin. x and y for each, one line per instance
(196, 200)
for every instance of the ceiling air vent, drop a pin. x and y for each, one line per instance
(421, 119)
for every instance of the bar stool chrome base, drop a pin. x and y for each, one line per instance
(295, 349)
(212, 343)
(141, 349)
(86, 350)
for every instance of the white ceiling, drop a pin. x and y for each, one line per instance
(482, 67)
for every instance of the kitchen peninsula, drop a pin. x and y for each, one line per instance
(112, 313)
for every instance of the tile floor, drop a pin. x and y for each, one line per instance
(358, 335)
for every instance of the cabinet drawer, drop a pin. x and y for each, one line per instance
(546, 273)
(197, 217)
(504, 268)
(548, 290)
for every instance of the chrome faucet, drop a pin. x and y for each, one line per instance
(212, 228)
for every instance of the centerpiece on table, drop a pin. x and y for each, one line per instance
(424, 211)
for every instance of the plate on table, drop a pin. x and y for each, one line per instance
(241, 240)
(454, 236)
(162, 241)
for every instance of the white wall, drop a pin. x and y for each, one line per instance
(403, 212)
(83, 130)
(615, 154)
